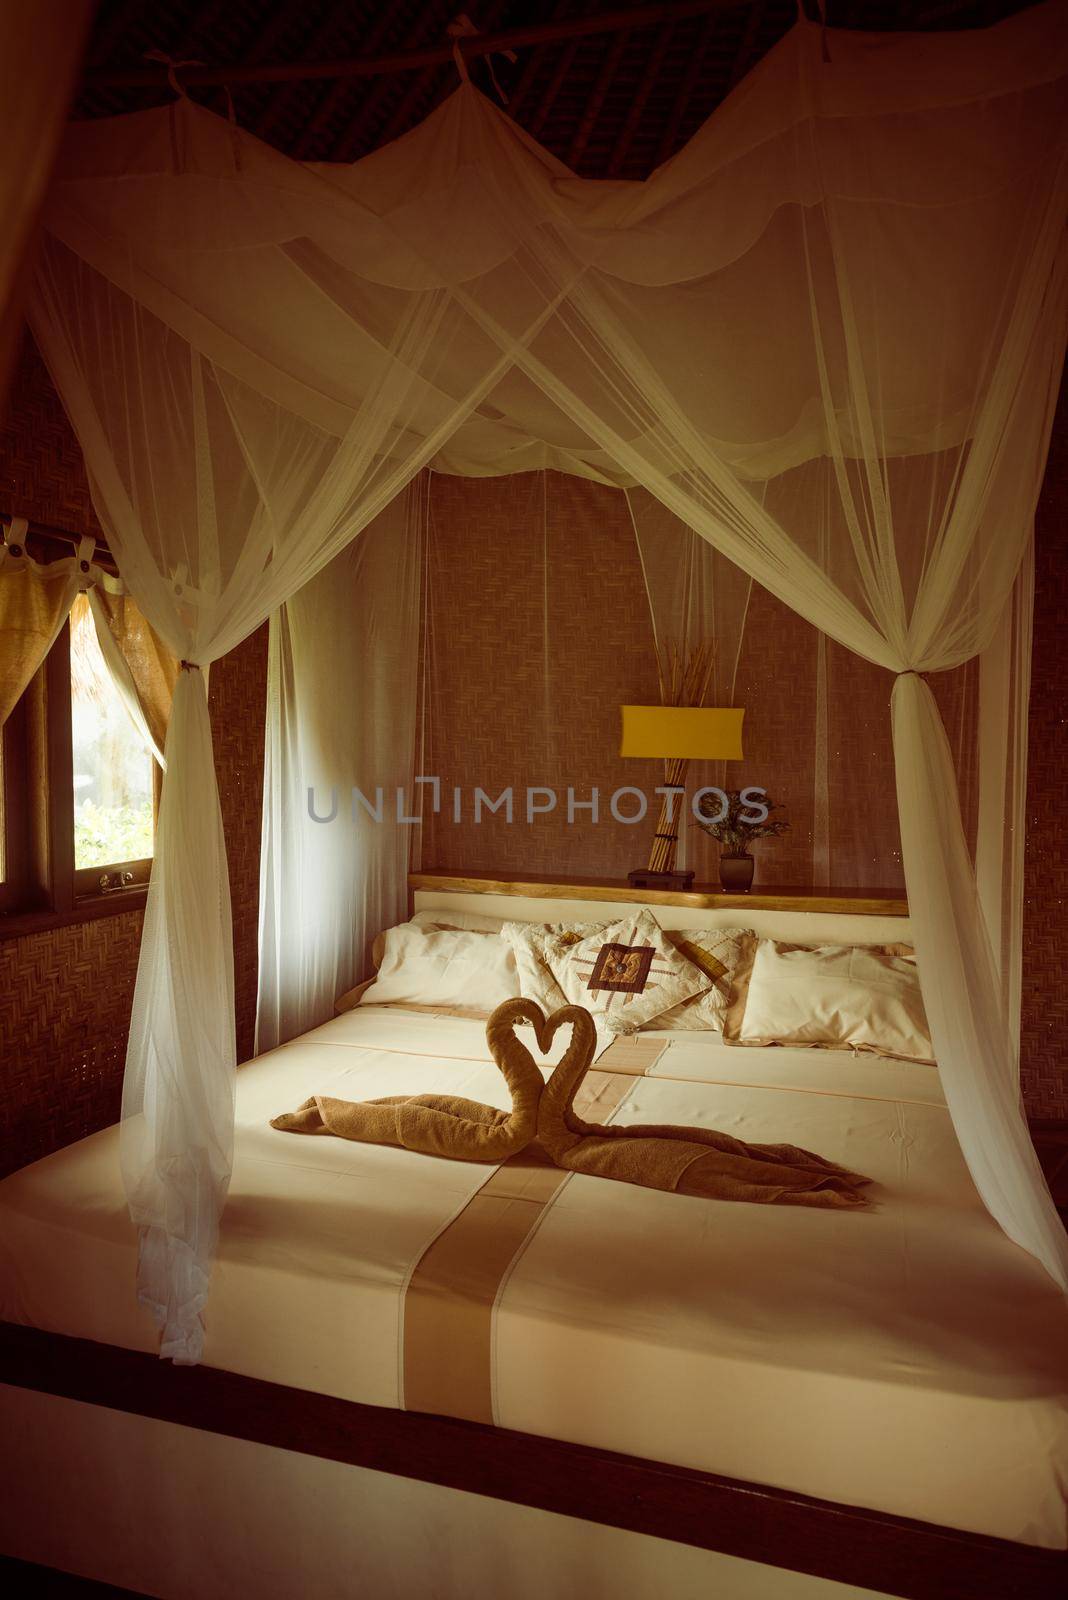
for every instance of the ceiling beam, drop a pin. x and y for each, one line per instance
(410, 60)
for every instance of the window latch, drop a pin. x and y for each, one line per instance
(112, 882)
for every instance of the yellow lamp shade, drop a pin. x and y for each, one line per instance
(685, 733)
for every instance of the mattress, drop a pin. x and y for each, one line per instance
(908, 1358)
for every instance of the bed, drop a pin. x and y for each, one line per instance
(908, 1362)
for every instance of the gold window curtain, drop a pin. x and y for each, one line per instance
(34, 602)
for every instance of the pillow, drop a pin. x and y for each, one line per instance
(465, 921)
(861, 997)
(436, 922)
(424, 967)
(536, 979)
(351, 997)
(625, 974)
(719, 953)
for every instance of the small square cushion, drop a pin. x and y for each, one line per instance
(625, 974)
(719, 953)
(527, 940)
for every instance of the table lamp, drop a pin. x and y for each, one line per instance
(678, 734)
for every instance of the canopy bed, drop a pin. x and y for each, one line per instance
(359, 1302)
(826, 340)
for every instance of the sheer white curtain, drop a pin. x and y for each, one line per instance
(137, 708)
(342, 704)
(219, 502)
(1004, 696)
(929, 457)
(826, 336)
(218, 505)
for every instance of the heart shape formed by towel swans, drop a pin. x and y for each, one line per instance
(694, 1161)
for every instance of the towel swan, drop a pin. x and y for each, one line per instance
(694, 1160)
(687, 1160)
(448, 1125)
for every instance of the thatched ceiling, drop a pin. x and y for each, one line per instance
(610, 103)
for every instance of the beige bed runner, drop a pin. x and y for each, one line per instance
(447, 1324)
(446, 1362)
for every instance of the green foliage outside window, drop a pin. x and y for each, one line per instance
(104, 835)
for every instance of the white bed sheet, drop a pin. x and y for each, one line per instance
(909, 1359)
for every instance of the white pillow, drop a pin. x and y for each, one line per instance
(465, 921)
(437, 922)
(426, 967)
(860, 997)
(625, 974)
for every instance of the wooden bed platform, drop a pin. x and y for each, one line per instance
(892, 1555)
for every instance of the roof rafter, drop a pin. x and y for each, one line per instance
(353, 134)
(335, 95)
(535, 60)
(414, 59)
(600, 88)
(283, 96)
(634, 115)
(669, 142)
(420, 93)
(747, 48)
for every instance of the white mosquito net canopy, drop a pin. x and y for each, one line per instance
(826, 336)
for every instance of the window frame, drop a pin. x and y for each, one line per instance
(44, 889)
(14, 818)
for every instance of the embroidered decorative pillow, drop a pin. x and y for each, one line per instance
(625, 974)
(719, 953)
(527, 939)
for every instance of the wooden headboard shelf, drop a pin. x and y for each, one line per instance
(703, 897)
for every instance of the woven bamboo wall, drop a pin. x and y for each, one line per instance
(65, 995)
(533, 640)
(535, 701)
(1044, 1042)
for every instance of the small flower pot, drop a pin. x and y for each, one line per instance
(736, 874)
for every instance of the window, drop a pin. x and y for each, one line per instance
(20, 856)
(12, 809)
(112, 771)
(78, 792)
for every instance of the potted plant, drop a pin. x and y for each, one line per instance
(735, 832)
